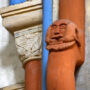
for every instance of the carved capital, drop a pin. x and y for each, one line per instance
(29, 43)
(62, 34)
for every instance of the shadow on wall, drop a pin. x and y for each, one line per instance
(11, 70)
(81, 77)
(82, 74)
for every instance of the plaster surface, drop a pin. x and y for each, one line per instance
(11, 70)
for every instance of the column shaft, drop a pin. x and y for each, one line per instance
(33, 75)
(65, 40)
(74, 10)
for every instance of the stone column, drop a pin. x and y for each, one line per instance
(76, 15)
(66, 44)
(69, 11)
(24, 22)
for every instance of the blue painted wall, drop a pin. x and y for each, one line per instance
(13, 2)
(47, 20)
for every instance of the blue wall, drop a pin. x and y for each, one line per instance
(13, 2)
(47, 20)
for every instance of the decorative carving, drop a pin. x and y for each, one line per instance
(28, 43)
(63, 40)
(61, 35)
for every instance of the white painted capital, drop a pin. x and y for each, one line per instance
(29, 43)
(24, 21)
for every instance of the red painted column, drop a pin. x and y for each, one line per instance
(74, 10)
(33, 75)
(66, 44)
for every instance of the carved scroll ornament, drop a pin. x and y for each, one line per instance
(61, 35)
